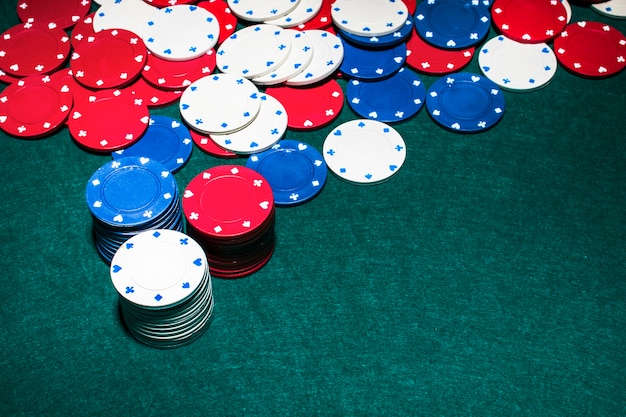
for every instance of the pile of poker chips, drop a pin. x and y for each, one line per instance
(164, 287)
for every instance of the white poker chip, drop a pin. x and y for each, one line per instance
(254, 50)
(611, 8)
(327, 57)
(299, 58)
(158, 268)
(364, 151)
(181, 32)
(220, 103)
(369, 17)
(131, 15)
(261, 10)
(304, 11)
(517, 66)
(266, 129)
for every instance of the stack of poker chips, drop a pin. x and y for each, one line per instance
(164, 286)
(230, 211)
(129, 195)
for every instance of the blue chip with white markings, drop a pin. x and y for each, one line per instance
(364, 63)
(383, 41)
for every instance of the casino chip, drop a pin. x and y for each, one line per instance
(611, 8)
(299, 58)
(33, 49)
(364, 63)
(112, 58)
(517, 66)
(226, 20)
(164, 287)
(62, 14)
(324, 104)
(295, 170)
(126, 120)
(208, 145)
(364, 151)
(166, 3)
(327, 57)
(304, 11)
(375, 18)
(166, 140)
(452, 24)
(321, 20)
(429, 59)
(591, 49)
(261, 10)
(389, 100)
(6, 78)
(220, 103)
(176, 75)
(465, 102)
(254, 51)
(35, 106)
(83, 31)
(267, 128)
(131, 15)
(150, 95)
(529, 21)
(181, 32)
(384, 41)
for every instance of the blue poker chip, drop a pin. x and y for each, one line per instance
(392, 99)
(384, 41)
(166, 140)
(452, 24)
(131, 192)
(465, 102)
(370, 64)
(296, 171)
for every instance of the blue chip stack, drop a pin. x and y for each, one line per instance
(130, 195)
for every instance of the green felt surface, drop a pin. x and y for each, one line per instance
(485, 279)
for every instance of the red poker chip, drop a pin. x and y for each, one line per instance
(208, 145)
(428, 59)
(7, 79)
(64, 14)
(221, 11)
(152, 96)
(83, 31)
(108, 120)
(33, 49)
(176, 75)
(591, 49)
(228, 201)
(323, 104)
(529, 21)
(322, 20)
(115, 57)
(35, 106)
(166, 3)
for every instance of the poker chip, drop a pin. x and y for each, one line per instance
(267, 128)
(364, 151)
(63, 14)
(591, 49)
(164, 287)
(327, 57)
(321, 20)
(126, 120)
(181, 32)
(305, 10)
(517, 66)
(6, 78)
(429, 59)
(35, 106)
(465, 102)
(152, 96)
(112, 58)
(261, 10)
(166, 140)
(376, 18)
(384, 41)
(176, 75)
(299, 58)
(324, 104)
(166, 3)
(208, 145)
(254, 51)
(295, 170)
(389, 100)
(131, 15)
(371, 64)
(611, 8)
(220, 103)
(33, 49)
(225, 18)
(452, 24)
(83, 31)
(529, 21)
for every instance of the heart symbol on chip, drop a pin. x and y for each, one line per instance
(475, 78)
(118, 218)
(264, 205)
(188, 194)
(116, 269)
(301, 146)
(175, 124)
(144, 160)
(198, 262)
(308, 123)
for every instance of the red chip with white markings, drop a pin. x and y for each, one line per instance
(428, 59)
(83, 31)
(63, 14)
(208, 145)
(175, 75)
(529, 21)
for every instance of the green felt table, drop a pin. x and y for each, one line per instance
(486, 278)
